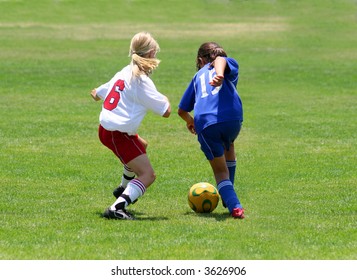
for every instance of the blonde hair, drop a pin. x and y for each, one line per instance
(143, 49)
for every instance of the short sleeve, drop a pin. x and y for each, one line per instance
(102, 90)
(150, 98)
(188, 99)
(233, 69)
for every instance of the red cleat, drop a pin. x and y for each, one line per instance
(238, 213)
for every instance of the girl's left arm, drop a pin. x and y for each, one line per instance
(219, 64)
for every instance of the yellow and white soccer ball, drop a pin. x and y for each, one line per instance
(203, 197)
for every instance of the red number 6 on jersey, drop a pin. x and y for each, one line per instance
(111, 102)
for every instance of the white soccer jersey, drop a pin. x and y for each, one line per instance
(127, 100)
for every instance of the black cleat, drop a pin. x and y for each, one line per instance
(120, 214)
(118, 191)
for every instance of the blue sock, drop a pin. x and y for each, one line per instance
(231, 164)
(229, 196)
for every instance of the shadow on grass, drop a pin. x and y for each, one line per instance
(138, 218)
(217, 216)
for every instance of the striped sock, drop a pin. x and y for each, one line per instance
(229, 196)
(132, 192)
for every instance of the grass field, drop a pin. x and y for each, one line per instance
(296, 154)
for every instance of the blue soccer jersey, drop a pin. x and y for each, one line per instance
(213, 105)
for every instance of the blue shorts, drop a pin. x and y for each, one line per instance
(216, 138)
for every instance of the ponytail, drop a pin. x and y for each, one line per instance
(143, 49)
(142, 65)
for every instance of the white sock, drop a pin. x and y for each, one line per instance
(128, 175)
(133, 191)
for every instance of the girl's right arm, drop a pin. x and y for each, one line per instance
(186, 116)
(100, 92)
(93, 93)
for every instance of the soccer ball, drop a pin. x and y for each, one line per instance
(203, 197)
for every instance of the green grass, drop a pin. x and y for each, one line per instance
(296, 172)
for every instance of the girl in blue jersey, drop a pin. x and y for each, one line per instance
(218, 116)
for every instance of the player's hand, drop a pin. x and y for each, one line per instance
(93, 93)
(143, 142)
(217, 81)
(191, 127)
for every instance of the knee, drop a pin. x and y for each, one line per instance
(153, 176)
(149, 178)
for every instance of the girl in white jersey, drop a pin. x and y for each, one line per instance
(126, 99)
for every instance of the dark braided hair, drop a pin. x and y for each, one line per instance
(208, 52)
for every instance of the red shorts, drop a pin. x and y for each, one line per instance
(125, 147)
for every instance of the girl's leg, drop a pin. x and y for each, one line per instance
(231, 162)
(128, 173)
(141, 166)
(225, 186)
